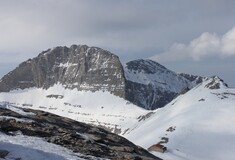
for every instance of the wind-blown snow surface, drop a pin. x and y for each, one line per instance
(98, 108)
(197, 125)
(33, 148)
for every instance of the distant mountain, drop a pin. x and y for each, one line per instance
(35, 135)
(151, 85)
(196, 125)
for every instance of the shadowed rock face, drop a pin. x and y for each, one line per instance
(81, 67)
(192, 78)
(151, 85)
(148, 96)
(76, 136)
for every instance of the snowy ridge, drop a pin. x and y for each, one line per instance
(196, 125)
(97, 108)
(150, 72)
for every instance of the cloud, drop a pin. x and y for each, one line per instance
(206, 45)
(228, 43)
(132, 29)
(28, 27)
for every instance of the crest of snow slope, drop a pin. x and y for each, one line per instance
(197, 125)
(98, 108)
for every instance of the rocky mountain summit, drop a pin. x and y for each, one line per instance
(87, 140)
(81, 67)
(143, 82)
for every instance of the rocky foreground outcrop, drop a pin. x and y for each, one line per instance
(76, 136)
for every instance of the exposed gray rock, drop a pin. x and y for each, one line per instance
(184, 90)
(216, 83)
(146, 66)
(3, 153)
(81, 67)
(192, 78)
(147, 96)
(76, 136)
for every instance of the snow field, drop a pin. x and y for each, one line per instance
(203, 121)
(99, 108)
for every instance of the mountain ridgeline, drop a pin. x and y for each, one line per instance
(143, 82)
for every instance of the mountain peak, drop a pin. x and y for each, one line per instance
(215, 82)
(144, 65)
(155, 84)
(73, 49)
(79, 66)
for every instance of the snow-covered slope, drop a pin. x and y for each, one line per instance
(97, 108)
(196, 125)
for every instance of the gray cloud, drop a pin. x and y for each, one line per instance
(206, 45)
(131, 25)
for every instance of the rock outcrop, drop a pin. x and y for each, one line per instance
(216, 83)
(76, 136)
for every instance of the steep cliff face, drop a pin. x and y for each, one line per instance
(151, 85)
(81, 67)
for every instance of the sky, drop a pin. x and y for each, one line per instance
(190, 36)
